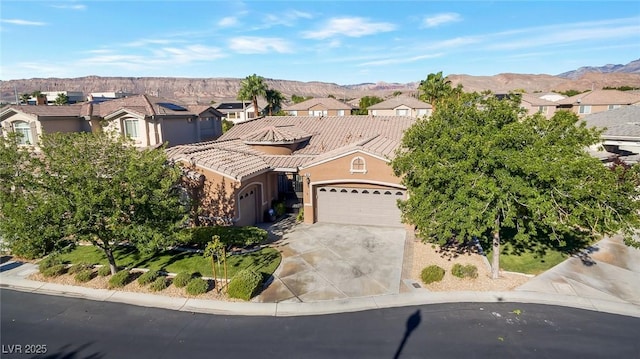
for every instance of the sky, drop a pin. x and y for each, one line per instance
(342, 42)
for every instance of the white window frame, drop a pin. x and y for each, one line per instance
(340, 112)
(358, 170)
(584, 109)
(402, 112)
(126, 129)
(23, 128)
(613, 107)
(423, 112)
(543, 110)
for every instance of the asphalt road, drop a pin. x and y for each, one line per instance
(77, 328)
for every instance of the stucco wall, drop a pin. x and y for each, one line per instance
(179, 131)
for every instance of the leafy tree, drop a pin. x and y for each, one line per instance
(61, 99)
(24, 98)
(570, 93)
(480, 169)
(436, 87)
(274, 100)
(251, 88)
(226, 125)
(367, 101)
(297, 99)
(101, 190)
(396, 93)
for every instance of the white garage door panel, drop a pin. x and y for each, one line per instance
(359, 206)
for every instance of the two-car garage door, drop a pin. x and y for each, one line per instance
(362, 206)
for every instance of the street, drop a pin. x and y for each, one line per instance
(76, 328)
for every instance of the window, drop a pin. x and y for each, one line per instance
(318, 113)
(423, 112)
(24, 131)
(611, 107)
(542, 110)
(293, 113)
(585, 109)
(358, 165)
(402, 112)
(373, 112)
(131, 128)
(340, 112)
(232, 115)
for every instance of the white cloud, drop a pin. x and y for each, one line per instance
(228, 21)
(145, 42)
(259, 45)
(400, 60)
(349, 26)
(23, 22)
(285, 18)
(70, 7)
(440, 19)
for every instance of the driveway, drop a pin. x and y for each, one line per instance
(331, 261)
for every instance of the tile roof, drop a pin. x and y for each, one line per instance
(327, 102)
(330, 136)
(536, 101)
(49, 111)
(277, 134)
(602, 97)
(199, 109)
(619, 122)
(394, 102)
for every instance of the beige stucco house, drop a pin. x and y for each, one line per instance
(334, 168)
(319, 107)
(534, 104)
(598, 101)
(401, 106)
(149, 121)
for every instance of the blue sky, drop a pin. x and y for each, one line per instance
(345, 42)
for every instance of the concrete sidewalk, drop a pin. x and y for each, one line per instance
(14, 276)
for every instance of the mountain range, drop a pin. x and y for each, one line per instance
(205, 90)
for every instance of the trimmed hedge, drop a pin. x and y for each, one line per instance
(77, 268)
(182, 279)
(159, 284)
(230, 236)
(466, 271)
(432, 273)
(197, 286)
(54, 271)
(104, 271)
(119, 279)
(148, 277)
(84, 275)
(244, 284)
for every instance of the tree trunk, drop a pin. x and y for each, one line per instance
(495, 257)
(255, 107)
(213, 265)
(112, 261)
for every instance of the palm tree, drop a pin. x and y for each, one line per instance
(24, 98)
(434, 88)
(274, 100)
(250, 88)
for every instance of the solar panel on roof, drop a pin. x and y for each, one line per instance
(171, 106)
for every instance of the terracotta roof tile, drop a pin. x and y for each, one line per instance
(602, 97)
(619, 122)
(49, 111)
(277, 134)
(394, 102)
(328, 102)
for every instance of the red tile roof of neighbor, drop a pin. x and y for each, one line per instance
(602, 97)
(277, 134)
(330, 136)
(328, 103)
(394, 102)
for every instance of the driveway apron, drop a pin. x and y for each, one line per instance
(333, 261)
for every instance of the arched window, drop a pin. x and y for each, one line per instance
(358, 165)
(24, 132)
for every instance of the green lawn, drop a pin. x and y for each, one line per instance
(265, 260)
(528, 262)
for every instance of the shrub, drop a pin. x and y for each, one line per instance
(148, 277)
(84, 275)
(104, 271)
(300, 216)
(466, 271)
(197, 286)
(182, 279)
(54, 270)
(32, 248)
(244, 284)
(159, 284)
(230, 236)
(119, 279)
(50, 261)
(281, 209)
(79, 267)
(432, 273)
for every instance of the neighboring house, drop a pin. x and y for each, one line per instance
(319, 107)
(551, 96)
(335, 167)
(149, 121)
(534, 104)
(401, 106)
(621, 136)
(239, 111)
(597, 101)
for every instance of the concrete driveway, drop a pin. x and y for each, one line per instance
(330, 261)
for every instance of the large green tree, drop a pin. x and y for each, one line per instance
(479, 168)
(61, 99)
(103, 191)
(274, 100)
(251, 88)
(367, 101)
